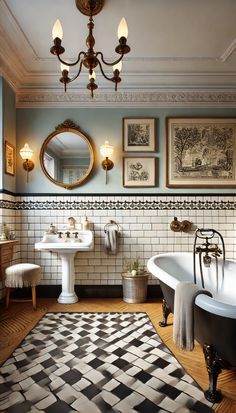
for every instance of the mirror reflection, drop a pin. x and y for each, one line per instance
(67, 157)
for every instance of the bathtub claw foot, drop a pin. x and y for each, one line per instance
(213, 397)
(165, 313)
(213, 364)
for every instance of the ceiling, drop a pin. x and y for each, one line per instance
(177, 46)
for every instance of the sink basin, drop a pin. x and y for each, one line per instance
(66, 248)
(52, 242)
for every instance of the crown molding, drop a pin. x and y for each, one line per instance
(145, 98)
(34, 76)
(14, 35)
(228, 51)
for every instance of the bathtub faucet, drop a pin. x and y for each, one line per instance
(208, 248)
(206, 251)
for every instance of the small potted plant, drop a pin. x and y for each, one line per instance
(134, 281)
(134, 268)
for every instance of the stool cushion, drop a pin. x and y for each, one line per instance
(22, 275)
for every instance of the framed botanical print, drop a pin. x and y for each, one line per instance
(9, 158)
(139, 134)
(201, 152)
(139, 172)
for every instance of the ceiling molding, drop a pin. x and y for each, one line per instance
(228, 51)
(151, 81)
(164, 98)
(10, 76)
(14, 33)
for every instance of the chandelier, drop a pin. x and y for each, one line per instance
(90, 59)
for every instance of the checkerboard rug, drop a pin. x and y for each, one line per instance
(96, 362)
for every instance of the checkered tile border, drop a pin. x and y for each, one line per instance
(209, 205)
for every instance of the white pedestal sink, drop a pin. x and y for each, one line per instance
(66, 249)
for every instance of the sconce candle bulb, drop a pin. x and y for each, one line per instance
(107, 150)
(26, 154)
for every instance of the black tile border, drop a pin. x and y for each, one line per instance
(119, 205)
(85, 291)
(118, 194)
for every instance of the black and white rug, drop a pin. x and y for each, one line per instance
(96, 362)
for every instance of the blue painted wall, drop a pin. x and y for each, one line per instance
(100, 124)
(8, 130)
(1, 134)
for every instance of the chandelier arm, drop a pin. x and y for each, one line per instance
(77, 75)
(108, 63)
(71, 64)
(103, 73)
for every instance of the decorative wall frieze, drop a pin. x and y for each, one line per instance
(146, 98)
(119, 205)
(7, 204)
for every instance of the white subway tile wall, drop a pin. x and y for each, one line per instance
(8, 216)
(144, 222)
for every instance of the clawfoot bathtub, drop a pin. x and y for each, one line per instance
(214, 317)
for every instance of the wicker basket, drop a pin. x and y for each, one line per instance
(134, 287)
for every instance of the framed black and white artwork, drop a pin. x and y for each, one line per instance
(139, 172)
(201, 152)
(139, 134)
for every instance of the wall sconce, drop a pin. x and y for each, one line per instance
(106, 151)
(26, 153)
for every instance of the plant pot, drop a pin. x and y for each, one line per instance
(134, 287)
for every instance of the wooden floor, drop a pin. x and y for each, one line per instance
(20, 318)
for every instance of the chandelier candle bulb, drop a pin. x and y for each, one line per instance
(122, 29)
(65, 78)
(92, 76)
(118, 67)
(57, 31)
(64, 67)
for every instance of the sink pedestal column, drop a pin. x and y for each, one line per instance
(68, 295)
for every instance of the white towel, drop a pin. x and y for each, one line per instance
(183, 329)
(111, 241)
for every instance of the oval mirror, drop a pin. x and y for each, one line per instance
(66, 156)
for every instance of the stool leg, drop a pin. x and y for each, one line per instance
(8, 292)
(34, 297)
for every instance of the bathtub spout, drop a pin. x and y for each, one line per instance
(207, 260)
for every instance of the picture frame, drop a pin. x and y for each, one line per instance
(139, 134)
(139, 172)
(201, 152)
(10, 161)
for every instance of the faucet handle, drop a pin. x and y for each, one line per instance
(67, 234)
(75, 234)
(60, 234)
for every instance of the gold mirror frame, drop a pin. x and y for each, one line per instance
(67, 126)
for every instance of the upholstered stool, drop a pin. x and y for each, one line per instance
(22, 275)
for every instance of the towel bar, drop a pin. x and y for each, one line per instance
(111, 223)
